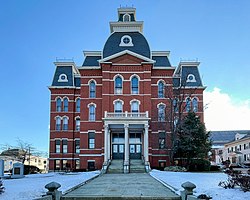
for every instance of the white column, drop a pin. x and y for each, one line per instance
(106, 129)
(146, 126)
(109, 144)
(126, 153)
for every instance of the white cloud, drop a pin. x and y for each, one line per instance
(223, 112)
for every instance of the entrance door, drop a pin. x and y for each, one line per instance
(118, 151)
(135, 151)
(135, 145)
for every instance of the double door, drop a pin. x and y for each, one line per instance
(135, 151)
(118, 151)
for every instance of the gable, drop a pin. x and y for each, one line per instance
(126, 59)
(127, 56)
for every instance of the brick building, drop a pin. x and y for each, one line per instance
(117, 104)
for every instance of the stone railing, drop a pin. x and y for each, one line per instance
(123, 115)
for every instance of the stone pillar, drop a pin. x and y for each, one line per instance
(126, 152)
(106, 127)
(146, 126)
(109, 143)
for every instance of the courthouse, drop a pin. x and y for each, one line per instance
(119, 104)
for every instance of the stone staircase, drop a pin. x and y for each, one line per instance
(136, 166)
(116, 166)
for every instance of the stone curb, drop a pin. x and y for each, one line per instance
(81, 184)
(173, 189)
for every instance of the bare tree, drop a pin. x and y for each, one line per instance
(22, 151)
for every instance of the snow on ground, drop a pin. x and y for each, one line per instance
(32, 186)
(206, 183)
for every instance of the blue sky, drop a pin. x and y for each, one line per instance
(34, 33)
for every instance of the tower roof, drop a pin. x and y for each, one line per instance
(126, 21)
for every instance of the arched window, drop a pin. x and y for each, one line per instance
(65, 123)
(195, 104)
(92, 112)
(160, 89)
(58, 105)
(188, 104)
(92, 89)
(134, 85)
(135, 106)
(65, 105)
(175, 105)
(118, 85)
(118, 106)
(126, 18)
(58, 123)
(78, 124)
(161, 112)
(78, 104)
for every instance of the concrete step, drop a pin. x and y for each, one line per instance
(137, 166)
(110, 197)
(116, 167)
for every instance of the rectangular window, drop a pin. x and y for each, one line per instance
(77, 164)
(91, 140)
(65, 146)
(65, 164)
(58, 146)
(77, 146)
(162, 142)
(57, 164)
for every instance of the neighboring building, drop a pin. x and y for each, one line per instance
(219, 141)
(12, 156)
(116, 105)
(238, 151)
(40, 162)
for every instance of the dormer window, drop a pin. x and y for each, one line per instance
(63, 78)
(126, 41)
(126, 18)
(191, 78)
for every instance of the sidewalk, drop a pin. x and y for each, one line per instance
(122, 186)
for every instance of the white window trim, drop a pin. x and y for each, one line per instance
(161, 104)
(191, 81)
(63, 80)
(129, 17)
(122, 44)
(131, 77)
(114, 78)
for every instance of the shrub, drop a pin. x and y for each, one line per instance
(236, 178)
(175, 169)
(199, 165)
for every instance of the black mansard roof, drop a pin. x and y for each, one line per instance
(140, 44)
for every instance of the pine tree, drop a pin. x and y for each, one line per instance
(1, 186)
(193, 139)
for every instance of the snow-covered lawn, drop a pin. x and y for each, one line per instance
(206, 183)
(32, 186)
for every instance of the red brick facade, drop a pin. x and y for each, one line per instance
(91, 152)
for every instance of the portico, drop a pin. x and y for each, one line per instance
(126, 137)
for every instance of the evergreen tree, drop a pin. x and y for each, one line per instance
(193, 140)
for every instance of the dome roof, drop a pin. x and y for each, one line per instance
(136, 43)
